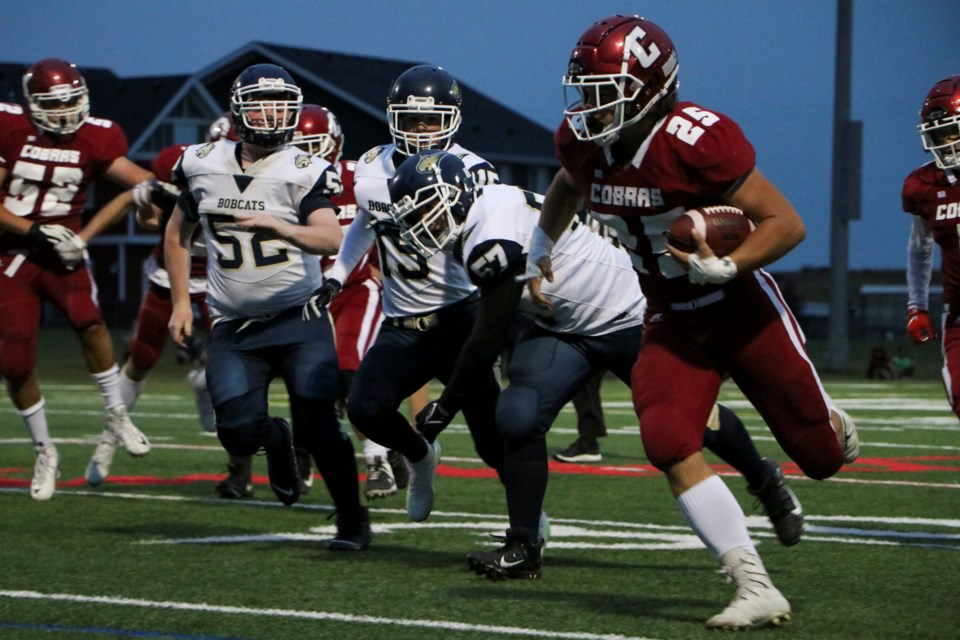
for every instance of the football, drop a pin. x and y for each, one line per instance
(723, 228)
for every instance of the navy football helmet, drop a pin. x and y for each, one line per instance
(423, 94)
(57, 95)
(432, 192)
(266, 102)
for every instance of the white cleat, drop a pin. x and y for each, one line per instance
(757, 603)
(851, 439)
(99, 466)
(543, 528)
(118, 422)
(197, 379)
(420, 491)
(45, 473)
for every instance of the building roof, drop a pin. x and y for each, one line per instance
(352, 86)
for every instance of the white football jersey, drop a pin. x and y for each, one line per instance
(594, 289)
(412, 284)
(248, 275)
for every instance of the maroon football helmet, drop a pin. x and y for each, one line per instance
(57, 95)
(222, 127)
(940, 123)
(626, 64)
(319, 133)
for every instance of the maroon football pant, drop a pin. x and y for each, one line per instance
(752, 336)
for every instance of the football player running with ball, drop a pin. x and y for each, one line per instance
(594, 323)
(637, 157)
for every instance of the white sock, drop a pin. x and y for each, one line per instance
(35, 420)
(130, 390)
(715, 516)
(373, 450)
(109, 383)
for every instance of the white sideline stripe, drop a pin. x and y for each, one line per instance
(315, 615)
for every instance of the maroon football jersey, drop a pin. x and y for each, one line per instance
(692, 158)
(164, 162)
(162, 167)
(47, 179)
(928, 194)
(347, 203)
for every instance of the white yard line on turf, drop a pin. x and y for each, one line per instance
(482, 629)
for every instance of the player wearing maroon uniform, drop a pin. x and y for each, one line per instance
(637, 158)
(931, 194)
(50, 154)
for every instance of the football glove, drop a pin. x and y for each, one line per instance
(712, 270)
(433, 419)
(71, 251)
(49, 234)
(919, 329)
(153, 191)
(314, 308)
(386, 227)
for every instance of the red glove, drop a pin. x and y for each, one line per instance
(919, 329)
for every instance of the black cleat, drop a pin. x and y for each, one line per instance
(580, 450)
(239, 483)
(516, 559)
(282, 466)
(304, 470)
(353, 531)
(781, 505)
(401, 469)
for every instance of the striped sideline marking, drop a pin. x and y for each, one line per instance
(314, 615)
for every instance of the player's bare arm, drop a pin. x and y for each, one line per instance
(9, 221)
(487, 338)
(779, 227)
(176, 247)
(560, 205)
(108, 215)
(321, 235)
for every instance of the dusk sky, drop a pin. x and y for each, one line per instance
(768, 64)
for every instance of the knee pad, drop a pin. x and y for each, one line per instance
(17, 358)
(674, 441)
(519, 412)
(364, 410)
(243, 426)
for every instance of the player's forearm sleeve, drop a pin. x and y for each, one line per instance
(919, 264)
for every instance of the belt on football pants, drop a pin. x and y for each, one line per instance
(428, 321)
(696, 303)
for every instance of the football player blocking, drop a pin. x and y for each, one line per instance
(626, 129)
(51, 154)
(357, 310)
(931, 194)
(428, 304)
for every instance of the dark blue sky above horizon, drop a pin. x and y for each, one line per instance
(767, 64)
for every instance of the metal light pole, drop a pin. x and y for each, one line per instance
(845, 192)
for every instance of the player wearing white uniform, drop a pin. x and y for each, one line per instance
(264, 208)
(594, 322)
(428, 304)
